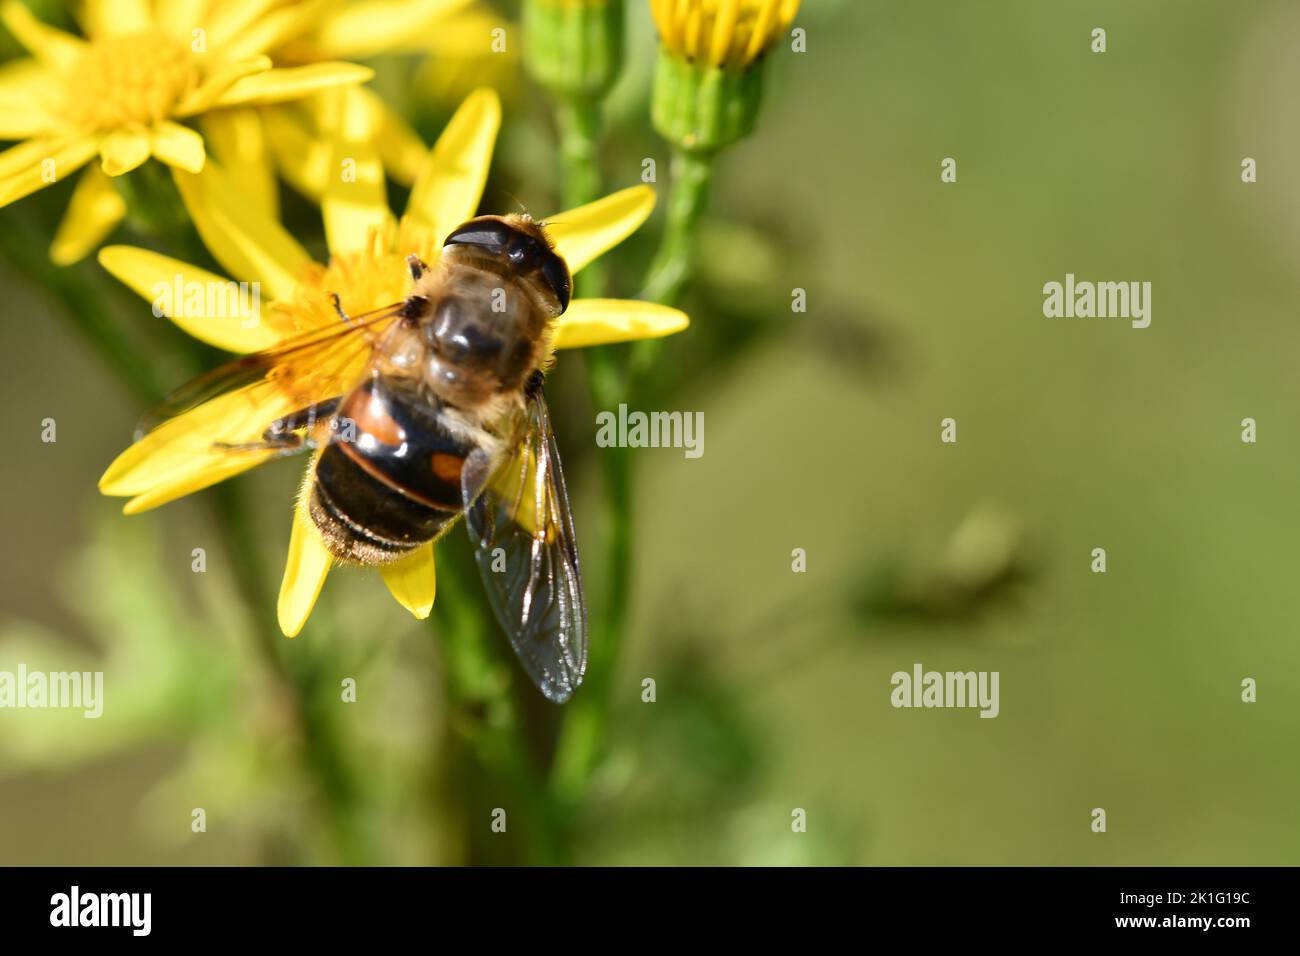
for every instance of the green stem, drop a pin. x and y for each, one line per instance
(674, 263)
(484, 724)
(582, 739)
(578, 124)
(582, 733)
(671, 268)
(323, 757)
(157, 211)
(98, 325)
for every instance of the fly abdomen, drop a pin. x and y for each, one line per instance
(390, 478)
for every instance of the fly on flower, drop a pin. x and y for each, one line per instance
(419, 387)
(448, 418)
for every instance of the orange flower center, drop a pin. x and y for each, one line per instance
(370, 278)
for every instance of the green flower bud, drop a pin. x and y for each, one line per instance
(708, 84)
(573, 47)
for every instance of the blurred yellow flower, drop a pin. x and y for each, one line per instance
(118, 92)
(253, 144)
(367, 268)
(459, 59)
(721, 33)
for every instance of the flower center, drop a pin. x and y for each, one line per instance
(133, 80)
(370, 278)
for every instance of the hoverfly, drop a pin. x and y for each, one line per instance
(447, 418)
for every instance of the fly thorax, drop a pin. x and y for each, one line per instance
(484, 337)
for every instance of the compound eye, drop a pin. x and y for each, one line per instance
(487, 234)
(524, 253)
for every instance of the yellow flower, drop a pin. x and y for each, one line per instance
(472, 49)
(709, 78)
(118, 92)
(721, 33)
(367, 268)
(253, 144)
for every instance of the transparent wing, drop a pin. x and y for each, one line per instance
(294, 374)
(519, 519)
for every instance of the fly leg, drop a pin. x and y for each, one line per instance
(338, 307)
(289, 434)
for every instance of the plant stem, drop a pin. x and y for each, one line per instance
(323, 758)
(578, 123)
(674, 262)
(692, 175)
(483, 720)
(582, 733)
(157, 211)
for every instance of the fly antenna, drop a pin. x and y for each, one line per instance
(523, 210)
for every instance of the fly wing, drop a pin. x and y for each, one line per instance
(294, 374)
(519, 519)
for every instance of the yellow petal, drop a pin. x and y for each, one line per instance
(186, 450)
(399, 146)
(45, 42)
(218, 83)
(606, 321)
(450, 183)
(355, 200)
(178, 146)
(250, 246)
(24, 118)
(123, 150)
(180, 18)
(302, 158)
(19, 158)
(36, 164)
(666, 22)
(205, 305)
(95, 210)
(368, 27)
(413, 580)
(25, 110)
(216, 472)
(724, 29)
(461, 37)
(292, 83)
(588, 232)
(237, 140)
(275, 29)
(231, 18)
(304, 572)
(457, 60)
(762, 32)
(106, 18)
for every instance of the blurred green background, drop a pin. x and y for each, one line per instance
(1118, 690)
